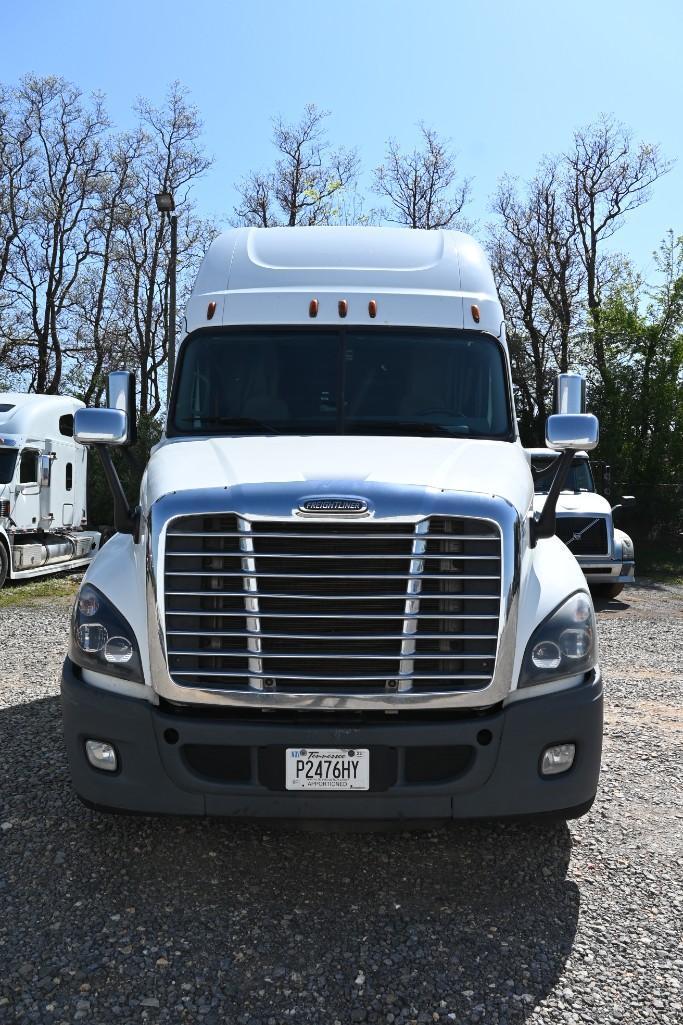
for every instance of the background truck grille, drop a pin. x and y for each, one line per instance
(593, 541)
(331, 607)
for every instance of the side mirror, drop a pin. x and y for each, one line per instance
(569, 395)
(571, 432)
(121, 396)
(101, 427)
(627, 502)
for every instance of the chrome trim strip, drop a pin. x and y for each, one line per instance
(391, 504)
(326, 615)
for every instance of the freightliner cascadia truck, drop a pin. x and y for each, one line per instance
(334, 599)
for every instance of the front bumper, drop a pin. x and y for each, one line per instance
(607, 572)
(184, 763)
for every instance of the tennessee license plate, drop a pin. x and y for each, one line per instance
(327, 768)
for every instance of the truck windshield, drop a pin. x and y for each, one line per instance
(342, 381)
(8, 460)
(579, 478)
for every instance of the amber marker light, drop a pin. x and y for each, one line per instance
(210, 310)
(343, 307)
(476, 315)
(313, 308)
(372, 308)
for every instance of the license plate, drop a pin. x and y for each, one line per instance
(327, 768)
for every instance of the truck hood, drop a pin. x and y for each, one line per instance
(343, 462)
(586, 503)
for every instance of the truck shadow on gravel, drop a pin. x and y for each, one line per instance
(116, 918)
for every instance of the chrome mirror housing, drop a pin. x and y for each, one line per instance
(101, 427)
(570, 432)
(121, 396)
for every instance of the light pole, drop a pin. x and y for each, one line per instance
(166, 205)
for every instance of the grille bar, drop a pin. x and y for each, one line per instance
(337, 537)
(459, 595)
(249, 573)
(398, 604)
(337, 637)
(450, 557)
(340, 656)
(330, 676)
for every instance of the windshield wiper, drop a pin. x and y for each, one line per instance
(229, 421)
(414, 426)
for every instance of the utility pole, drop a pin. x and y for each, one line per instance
(166, 207)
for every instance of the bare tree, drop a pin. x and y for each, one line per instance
(16, 169)
(541, 279)
(100, 341)
(58, 238)
(307, 181)
(422, 186)
(607, 176)
(171, 161)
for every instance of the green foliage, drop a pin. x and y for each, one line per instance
(30, 592)
(640, 400)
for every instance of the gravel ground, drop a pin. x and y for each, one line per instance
(120, 919)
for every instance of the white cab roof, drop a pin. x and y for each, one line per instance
(418, 278)
(34, 416)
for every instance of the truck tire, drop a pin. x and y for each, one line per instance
(4, 564)
(607, 591)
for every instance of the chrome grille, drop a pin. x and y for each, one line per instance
(314, 606)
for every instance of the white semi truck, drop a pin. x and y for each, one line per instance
(334, 599)
(43, 475)
(585, 522)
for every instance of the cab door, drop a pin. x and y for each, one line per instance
(26, 511)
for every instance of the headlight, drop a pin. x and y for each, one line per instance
(102, 639)
(563, 645)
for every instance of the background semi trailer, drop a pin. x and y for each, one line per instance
(43, 473)
(334, 598)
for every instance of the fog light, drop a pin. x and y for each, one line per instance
(558, 758)
(101, 755)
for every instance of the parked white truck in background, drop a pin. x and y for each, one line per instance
(585, 522)
(42, 488)
(334, 598)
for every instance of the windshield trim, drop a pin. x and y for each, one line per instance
(342, 330)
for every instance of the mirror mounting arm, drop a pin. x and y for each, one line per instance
(126, 519)
(544, 526)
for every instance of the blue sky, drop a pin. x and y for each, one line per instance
(506, 81)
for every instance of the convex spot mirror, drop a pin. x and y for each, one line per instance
(569, 394)
(567, 432)
(121, 396)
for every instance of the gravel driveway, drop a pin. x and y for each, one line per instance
(120, 919)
